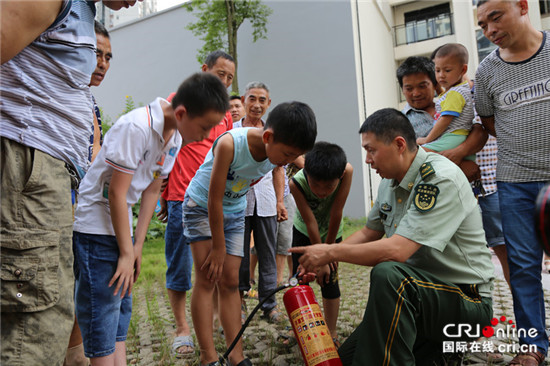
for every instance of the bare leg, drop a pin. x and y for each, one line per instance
(500, 251)
(120, 354)
(281, 259)
(177, 302)
(228, 288)
(289, 264)
(253, 264)
(331, 308)
(75, 352)
(216, 319)
(201, 303)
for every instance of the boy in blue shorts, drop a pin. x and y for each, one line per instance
(454, 108)
(213, 211)
(138, 151)
(320, 191)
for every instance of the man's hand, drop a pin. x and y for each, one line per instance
(162, 215)
(323, 275)
(164, 185)
(313, 256)
(282, 214)
(470, 169)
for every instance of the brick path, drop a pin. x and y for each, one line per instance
(151, 331)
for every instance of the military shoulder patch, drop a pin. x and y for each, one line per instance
(425, 197)
(426, 170)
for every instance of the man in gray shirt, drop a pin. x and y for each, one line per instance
(512, 98)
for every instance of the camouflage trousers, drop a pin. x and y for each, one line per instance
(37, 258)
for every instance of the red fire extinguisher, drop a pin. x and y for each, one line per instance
(310, 329)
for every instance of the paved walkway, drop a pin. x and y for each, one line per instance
(151, 329)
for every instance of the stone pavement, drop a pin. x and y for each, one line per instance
(151, 330)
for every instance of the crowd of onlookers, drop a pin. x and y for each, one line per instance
(462, 165)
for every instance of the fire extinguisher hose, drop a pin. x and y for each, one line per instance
(291, 283)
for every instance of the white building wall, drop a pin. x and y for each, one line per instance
(308, 56)
(375, 71)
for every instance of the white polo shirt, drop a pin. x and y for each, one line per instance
(134, 145)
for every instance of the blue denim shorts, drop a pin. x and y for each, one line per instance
(103, 317)
(178, 253)
(197, 228)
(492, 224)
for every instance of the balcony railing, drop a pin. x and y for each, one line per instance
(422, 30)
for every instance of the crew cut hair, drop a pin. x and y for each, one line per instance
(213, 57)
(325, 162)
(100, 29)
(293, 124)
(388, 123)
(255, 85)
(200, 93)
(455, 50)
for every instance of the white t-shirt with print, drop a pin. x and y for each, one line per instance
(134, 145)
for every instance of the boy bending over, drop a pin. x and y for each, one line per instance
(454, 107)
(138, 152)
(320, 191)
(213, 210)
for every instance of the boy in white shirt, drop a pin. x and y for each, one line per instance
(138, 152)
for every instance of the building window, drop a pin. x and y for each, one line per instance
(424, 24)
(544, 7)
(484, 46)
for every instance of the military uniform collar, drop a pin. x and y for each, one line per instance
(408, 180)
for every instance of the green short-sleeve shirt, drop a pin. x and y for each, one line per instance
(321, 207)
(434, 206)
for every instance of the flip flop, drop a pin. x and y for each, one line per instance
(183, 341)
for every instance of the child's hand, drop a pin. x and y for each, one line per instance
(333, 266)
(323, 275)
(282, 214)
(421, 140)
(214, 264)
(125, 274)
(137, 262)
(305, 277)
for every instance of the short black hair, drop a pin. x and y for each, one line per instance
(456, 50)
(233, 97)
(213, 57)
(481, 2)
(200, 93)
(293, 124)
(100, 29)
(325, 162)
(387, 124)
(416, 65)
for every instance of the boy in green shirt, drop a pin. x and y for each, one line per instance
(320, 191)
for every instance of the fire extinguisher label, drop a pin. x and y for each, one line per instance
(313, 334)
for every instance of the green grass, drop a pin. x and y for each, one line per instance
(153, 265)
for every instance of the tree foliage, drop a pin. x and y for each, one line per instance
(218, 22)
